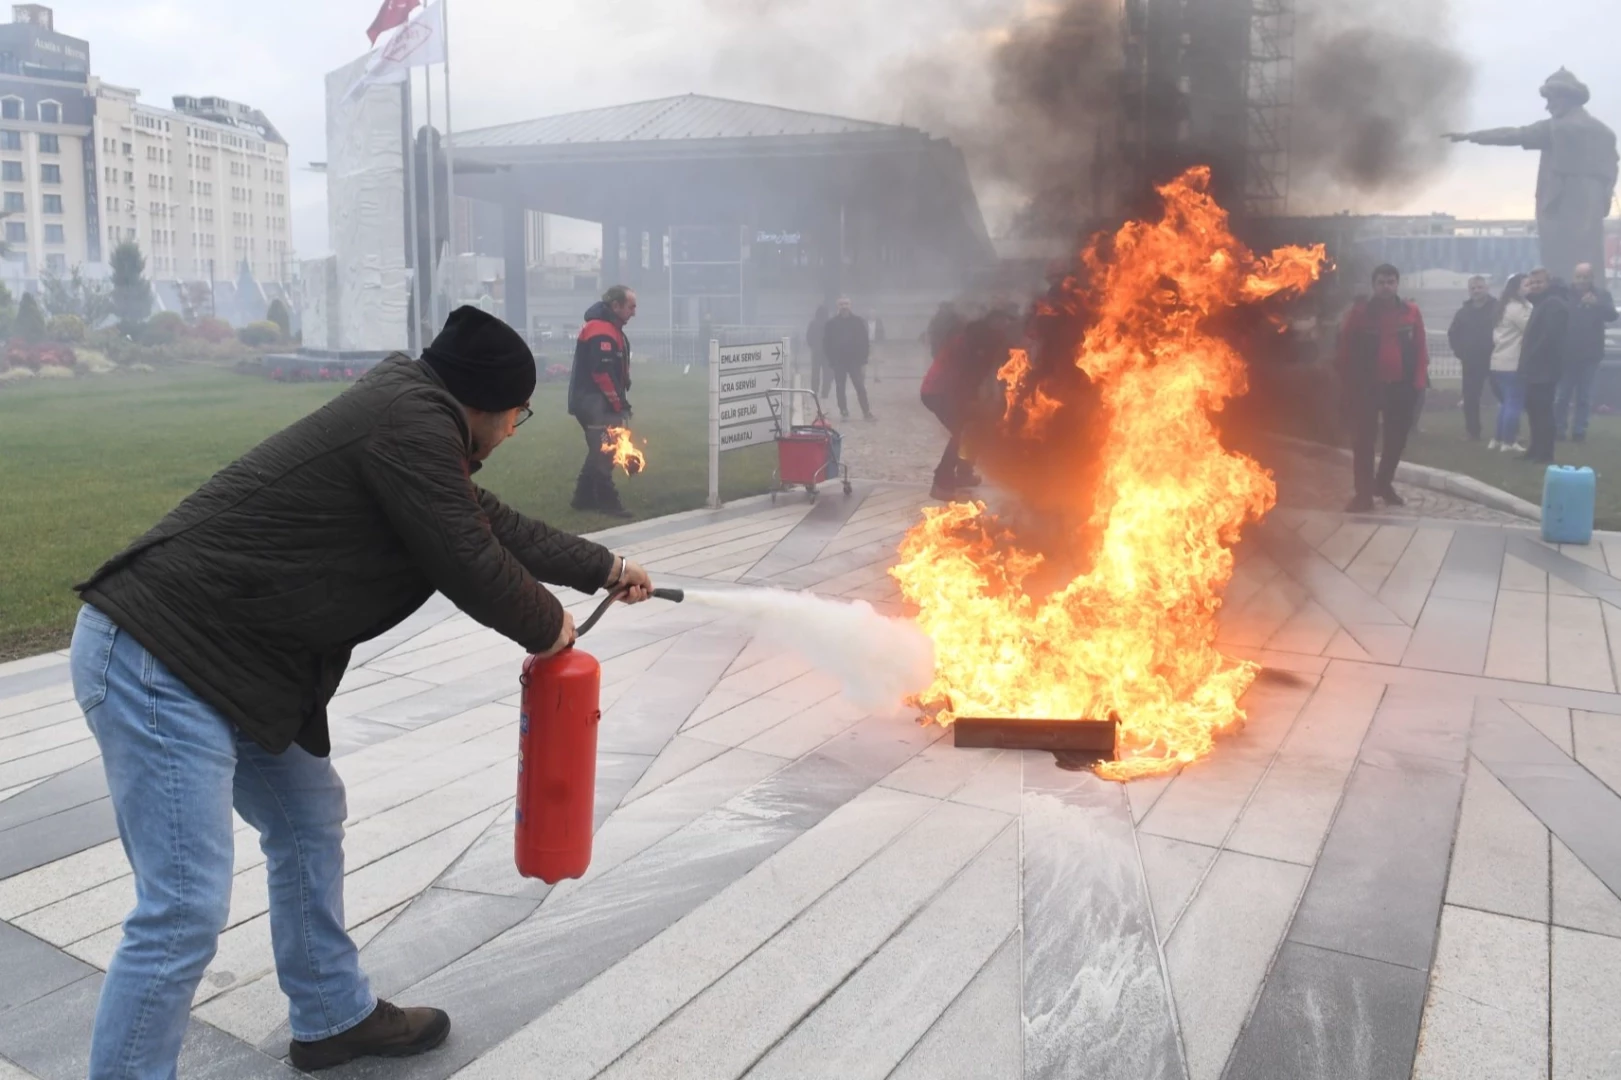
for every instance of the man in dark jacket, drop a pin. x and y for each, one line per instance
(1542, 360)
(1470, 336)
(206, 654)
(1590, 309)
(847, 346)
(1383, 362)
(599, 396)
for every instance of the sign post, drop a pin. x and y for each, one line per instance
(740, 408)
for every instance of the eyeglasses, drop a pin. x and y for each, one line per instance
(524, 413)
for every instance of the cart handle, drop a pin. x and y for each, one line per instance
(820, 415)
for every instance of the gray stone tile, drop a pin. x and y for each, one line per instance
(1595, 738)
(977, 1038)
(1421, 722)
(1586, 983)
(1220, 951)
(38, 678)
(1095, 999)
(1472, 567)
(75, 787)
(1326, 583)
(1451, 635)
(809, 537)
(643, 721)
(1500, 857)
(1577, 807)
(1378, 885)
(1534, 693)
(595, 926)
(47, 839)
(1173, 869)
(1552, 720)
(1487, 1014)
(1580, 900)
(1327, 1016)
(33, 968)
(1565, 569)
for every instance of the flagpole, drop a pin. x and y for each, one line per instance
(432, 282)
(450, 159)
(413, 330)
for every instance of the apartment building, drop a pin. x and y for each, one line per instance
(203, 187)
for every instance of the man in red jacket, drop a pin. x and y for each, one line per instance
(1383, 363)
(599, 396)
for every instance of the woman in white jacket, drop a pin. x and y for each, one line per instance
(1513, 313)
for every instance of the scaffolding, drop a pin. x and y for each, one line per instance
(1269, 94)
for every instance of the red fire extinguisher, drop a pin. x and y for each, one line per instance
(557, 758)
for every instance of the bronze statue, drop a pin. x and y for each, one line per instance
(1576, 180)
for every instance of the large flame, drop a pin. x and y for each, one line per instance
(1134, 635)
(617, 441)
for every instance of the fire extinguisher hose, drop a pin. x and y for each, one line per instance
(675, 596)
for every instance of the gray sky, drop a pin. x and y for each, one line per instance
(515, 59)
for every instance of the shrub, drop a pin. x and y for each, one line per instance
(259, 334)
(279, 315)
(38, 356)
(212, 329)
(55, 371)
(30, 319)
(164, 328)
(132, 293)
(69, 329)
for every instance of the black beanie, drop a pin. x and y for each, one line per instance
(484, 363)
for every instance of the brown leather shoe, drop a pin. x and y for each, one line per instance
(388, 1032)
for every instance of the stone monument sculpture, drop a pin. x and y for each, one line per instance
(1576, 180)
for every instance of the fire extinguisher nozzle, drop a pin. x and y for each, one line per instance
(674, 596)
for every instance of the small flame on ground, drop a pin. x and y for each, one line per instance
(1134, 635)
(617, 441)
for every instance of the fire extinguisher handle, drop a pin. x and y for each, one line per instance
(673, 595)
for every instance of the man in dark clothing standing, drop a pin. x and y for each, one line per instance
(1542, 359)
(848, 347)
(599, 396)
(1590, 309)
(1470, 336)
(964, 361)
(1383, 362)
(207, 652)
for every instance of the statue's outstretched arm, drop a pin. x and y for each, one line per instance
(1534, 137)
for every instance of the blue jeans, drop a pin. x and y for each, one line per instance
(1510, 390)
(1575, 387)
(175, 767)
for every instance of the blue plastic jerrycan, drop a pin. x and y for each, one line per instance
(1567, 504)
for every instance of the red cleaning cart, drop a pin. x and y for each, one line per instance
(807, 454)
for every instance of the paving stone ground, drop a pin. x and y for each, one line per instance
(1407, 863)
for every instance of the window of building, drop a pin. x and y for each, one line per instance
(53, 204)
(129, 151)
(50, 112)
(14, 202)
(56, 263)
(50, 174)
(50, 144)
(11, 108)
(54, 234)
(11, 140)
(16, 232)
(11, 171)
(129, 177)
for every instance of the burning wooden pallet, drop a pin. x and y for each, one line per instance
(1076, 744)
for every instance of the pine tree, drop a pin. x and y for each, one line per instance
(132, 293)
(278, 314)
(30, 320)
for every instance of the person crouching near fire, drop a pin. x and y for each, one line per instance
(206, 653)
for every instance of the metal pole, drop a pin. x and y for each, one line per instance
(450, 158)
(714, 425)
(430, 284)
(413, 330)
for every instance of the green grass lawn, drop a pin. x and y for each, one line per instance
(88, 465)
(1441, 443)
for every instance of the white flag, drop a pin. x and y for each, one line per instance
(418, 43)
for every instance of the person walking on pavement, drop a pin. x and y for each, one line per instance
(1508, 336)
(206, 654)
(1383, 361)
(599, 396)
(848, 349)
(1542, 360)
(821, 374)
(1470, 336)
(1590, 309)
